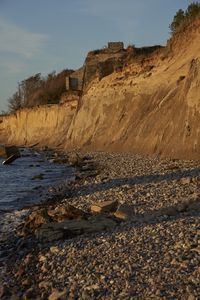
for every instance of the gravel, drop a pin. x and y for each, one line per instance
(156, 257)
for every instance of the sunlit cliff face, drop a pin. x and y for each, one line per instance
(152, 106)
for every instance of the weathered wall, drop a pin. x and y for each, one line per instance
(75, 80)
(115, 46)
(100, 65)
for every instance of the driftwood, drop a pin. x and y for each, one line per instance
(10, 159)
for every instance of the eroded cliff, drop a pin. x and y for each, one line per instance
(46, 125)
(152, 106)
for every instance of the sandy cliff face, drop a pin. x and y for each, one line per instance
(152, 106)
(46, 125)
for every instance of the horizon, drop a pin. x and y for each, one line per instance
(44, 37)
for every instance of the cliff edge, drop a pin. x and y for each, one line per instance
(151, 106)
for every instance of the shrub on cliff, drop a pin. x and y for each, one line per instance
(14, 102)
(38, 90)
(178, 20)
(183, 18)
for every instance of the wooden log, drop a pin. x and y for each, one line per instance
(10, 159)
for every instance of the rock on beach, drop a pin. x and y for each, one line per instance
(153, 253)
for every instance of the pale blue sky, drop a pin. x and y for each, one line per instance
(46, 35)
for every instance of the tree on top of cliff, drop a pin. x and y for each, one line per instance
(183, 18)
(14, 102)
(193, 10)
(178, 20)
(38, 90)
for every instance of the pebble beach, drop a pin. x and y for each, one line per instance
(153, 255)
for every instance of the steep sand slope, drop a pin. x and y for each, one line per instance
(152, 107)
(46, 125)
(154, 112)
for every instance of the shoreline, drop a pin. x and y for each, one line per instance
(129, 261)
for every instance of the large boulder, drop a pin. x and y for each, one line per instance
(33, 221)
(47, 214)
(7, 151)
(67, 211)
(54, 231)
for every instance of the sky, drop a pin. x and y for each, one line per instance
(41, 36)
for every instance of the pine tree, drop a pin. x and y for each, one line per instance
(177, 21)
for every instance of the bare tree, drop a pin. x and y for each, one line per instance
(14, 102)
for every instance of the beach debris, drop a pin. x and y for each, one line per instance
(105, 206)
(60, 230)
(65, 221)
(10, 159)
(43, 215)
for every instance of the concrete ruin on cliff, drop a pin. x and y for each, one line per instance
(99, 63)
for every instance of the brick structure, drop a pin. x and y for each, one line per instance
(98, 63)
(74, 82)
(115, 46)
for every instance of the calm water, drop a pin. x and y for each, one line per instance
(17, 186)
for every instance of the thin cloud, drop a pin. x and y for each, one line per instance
(17, 40)
(11, 67)
(112, 8)
(122, 14)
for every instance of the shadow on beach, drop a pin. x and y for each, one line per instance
(142, 180)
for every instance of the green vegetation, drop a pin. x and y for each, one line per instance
(38, 90)
(183, 18)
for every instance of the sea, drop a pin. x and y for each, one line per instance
(30, 179)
